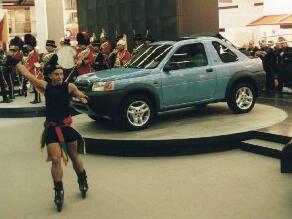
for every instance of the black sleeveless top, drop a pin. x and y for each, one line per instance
(57, 102)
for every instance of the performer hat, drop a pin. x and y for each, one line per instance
(51, 43)
(121, 42)
(52, 65)
(16, 43)
(103, 34)
(30, 40)
(82, 38)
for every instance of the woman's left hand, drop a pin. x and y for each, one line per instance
(83, 99)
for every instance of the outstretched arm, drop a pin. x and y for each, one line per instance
(77, 93)
(13, 60)
(36, 82)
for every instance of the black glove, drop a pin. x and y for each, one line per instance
(12, 61)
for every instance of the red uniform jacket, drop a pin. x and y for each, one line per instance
(32, 59)
(19, 55)
(87, 58)
(122, 58)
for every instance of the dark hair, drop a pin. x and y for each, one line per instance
(96, 43)
(82, 38)
(67, 41)
(52, 65)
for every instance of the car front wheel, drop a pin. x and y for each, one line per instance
(242, 98)
(137, 112)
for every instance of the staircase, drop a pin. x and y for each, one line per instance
(265, 144)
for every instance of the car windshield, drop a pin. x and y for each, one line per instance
(149, 57)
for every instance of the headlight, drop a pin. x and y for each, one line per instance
(103, 86)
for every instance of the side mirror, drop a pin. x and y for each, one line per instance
(170, 66)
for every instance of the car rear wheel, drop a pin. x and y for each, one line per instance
(137, 112)
(242, 98)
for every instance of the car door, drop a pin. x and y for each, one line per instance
(225, 64)
(188, 77)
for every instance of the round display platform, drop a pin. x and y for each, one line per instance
(215, 124)
(21, 107)
(214, 120)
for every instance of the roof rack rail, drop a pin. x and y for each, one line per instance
(208, 34)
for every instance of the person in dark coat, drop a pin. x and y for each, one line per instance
(252, 49)
(99, 62)
(268, 56)
(138, 43)
(284, 64)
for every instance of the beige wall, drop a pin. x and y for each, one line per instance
(237, 31)
(234, 21)
(197, 16)
(55, 13)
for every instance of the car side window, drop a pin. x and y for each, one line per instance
(189, 56)
(225, 54)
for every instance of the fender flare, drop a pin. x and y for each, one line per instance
(238, 77)
(143, 89)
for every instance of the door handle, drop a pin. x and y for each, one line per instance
(209, 70)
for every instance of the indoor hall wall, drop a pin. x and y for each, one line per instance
(277, 7)
(197, 16)
(234, 18)
(162, 18)
(123, 16)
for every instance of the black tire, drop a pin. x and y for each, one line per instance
(125, 116)
(201, 106)
(233, 95)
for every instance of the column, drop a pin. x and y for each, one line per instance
(41, 24)
(56, 23)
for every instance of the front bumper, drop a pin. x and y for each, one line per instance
(100, 103)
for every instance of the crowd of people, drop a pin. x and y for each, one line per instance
(94, 54)
(89, 55)
(277, 62)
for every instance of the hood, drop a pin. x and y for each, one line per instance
(113, 74)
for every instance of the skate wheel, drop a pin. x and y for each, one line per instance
(59, 207)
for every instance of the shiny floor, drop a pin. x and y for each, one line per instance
(225, 185)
